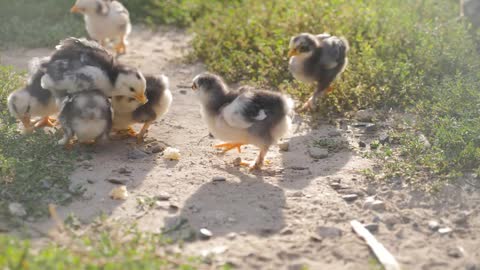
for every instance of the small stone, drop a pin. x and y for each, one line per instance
(456, 252)
(214, 251)
(366, 115)
(183, 92)
(372, 227)
(231, 235)
(374, 204)
(461, 219)
(371, 128)
(350, 197)
(286, 231)
(163, 196)
(136, 154)
(329, 232)
(284, 146)
(334, 133)
(17, 209)
(423, 139)
(162, 205)
(124, 170)
(297, 194)
(157, 148)
(118, 180)
(205, 233)
(384, 139)
(174, 206)
(318, 153)
(91, 181)
(444, 231)
(362, 144)
(433, 225)
(219, 179)
(237, 162)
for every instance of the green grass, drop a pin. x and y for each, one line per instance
(173, 12)
(101, 248)
(29, 23)
(33, 169)
(414, 56)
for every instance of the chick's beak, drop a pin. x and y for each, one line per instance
(76, 9)
(292, 52)
(141, 98)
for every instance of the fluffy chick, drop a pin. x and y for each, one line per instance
(242, 117)
(317, 58)
(79, 65)
(128, 111)
(105, 19)
(86, 115)
(32, 101)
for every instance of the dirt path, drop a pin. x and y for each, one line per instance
(290, 215)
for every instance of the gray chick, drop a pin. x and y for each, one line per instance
(86, 115)
(129, 111)
(242, 117)
(33, 101)
(317, 58)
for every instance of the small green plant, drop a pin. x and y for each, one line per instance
(36, 24)
(101, 248)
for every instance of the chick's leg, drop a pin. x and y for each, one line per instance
(143, 132)
(27, 124)
(229, 146)
(45, 122)
(129, 132)
(121, 47)
(320, 91)
(260, 159)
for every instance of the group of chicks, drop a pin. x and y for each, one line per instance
(91, 92)
(94, 94)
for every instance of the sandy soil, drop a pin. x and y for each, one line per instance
(291, 214)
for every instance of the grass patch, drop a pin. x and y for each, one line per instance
(28, 23)
(173, 12)
(405, 55)
(101, 247)
(34, 170)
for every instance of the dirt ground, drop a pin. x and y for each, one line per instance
(293, 213)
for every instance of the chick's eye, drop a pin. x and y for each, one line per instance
(303, 48)
(132, 90)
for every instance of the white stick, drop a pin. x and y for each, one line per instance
(385, 257)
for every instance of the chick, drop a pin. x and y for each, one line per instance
(79, 65)
(242, 117)
(86, 115)
(33, 101)
(319, 59)
(129, 111)
(105, 19)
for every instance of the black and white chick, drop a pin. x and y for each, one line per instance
(317, 58)
(128, 111)
(87, 116)
(79, 65)
(105, 19)
(33, 101)
(242, 117)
